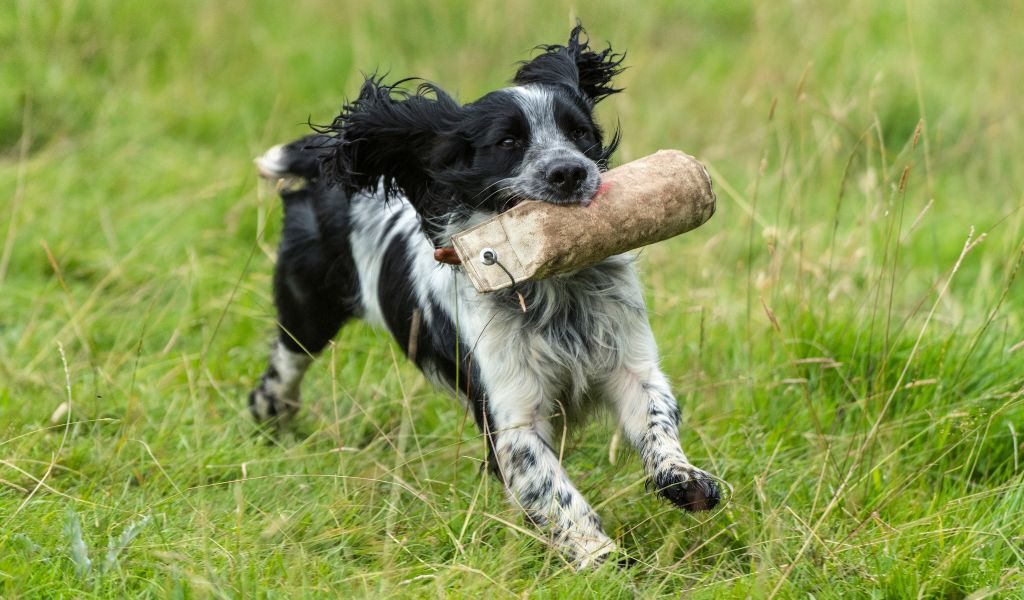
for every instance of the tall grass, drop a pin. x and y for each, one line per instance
(846, 335)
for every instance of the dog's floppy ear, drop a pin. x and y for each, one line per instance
(392, 136)
(574, 65)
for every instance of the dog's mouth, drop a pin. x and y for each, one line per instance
(582, 198)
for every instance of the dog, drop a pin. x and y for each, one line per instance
(386, 184)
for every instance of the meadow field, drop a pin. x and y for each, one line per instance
(845, 336)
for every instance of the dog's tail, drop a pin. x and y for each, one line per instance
(300, 158)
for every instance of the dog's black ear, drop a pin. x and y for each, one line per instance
(574, 65)
(391, 136)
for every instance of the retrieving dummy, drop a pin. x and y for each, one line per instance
(639, 203)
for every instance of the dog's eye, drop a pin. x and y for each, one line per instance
(507, 143)
(579, 134)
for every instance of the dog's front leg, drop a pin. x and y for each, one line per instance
(533, 475)
(538, 484)
(641, 398)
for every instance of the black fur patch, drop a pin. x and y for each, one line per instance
(575, 66)
(316, 286)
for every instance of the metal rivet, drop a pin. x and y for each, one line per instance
(488, 256)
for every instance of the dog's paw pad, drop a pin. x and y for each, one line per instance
(688, 488)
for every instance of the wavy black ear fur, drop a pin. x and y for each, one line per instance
(392, 135)
(574, 65)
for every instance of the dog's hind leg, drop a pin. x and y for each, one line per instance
(315, 291)
(306, 324)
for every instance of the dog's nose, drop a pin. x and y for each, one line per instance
(566, 177)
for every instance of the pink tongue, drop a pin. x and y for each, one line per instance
(600, 190)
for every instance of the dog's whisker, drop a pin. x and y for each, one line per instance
(496, 183)
(496, 193)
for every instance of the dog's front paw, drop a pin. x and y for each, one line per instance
(589, 552)
(687, 487)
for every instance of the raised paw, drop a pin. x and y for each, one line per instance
(687, 487)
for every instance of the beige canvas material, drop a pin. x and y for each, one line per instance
(641, 202)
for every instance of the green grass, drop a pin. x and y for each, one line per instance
(860, 387)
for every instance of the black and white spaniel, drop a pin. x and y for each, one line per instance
(395, 175)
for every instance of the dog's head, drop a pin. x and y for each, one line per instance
(535, 140)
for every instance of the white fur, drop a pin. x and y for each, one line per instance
(272, 164)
